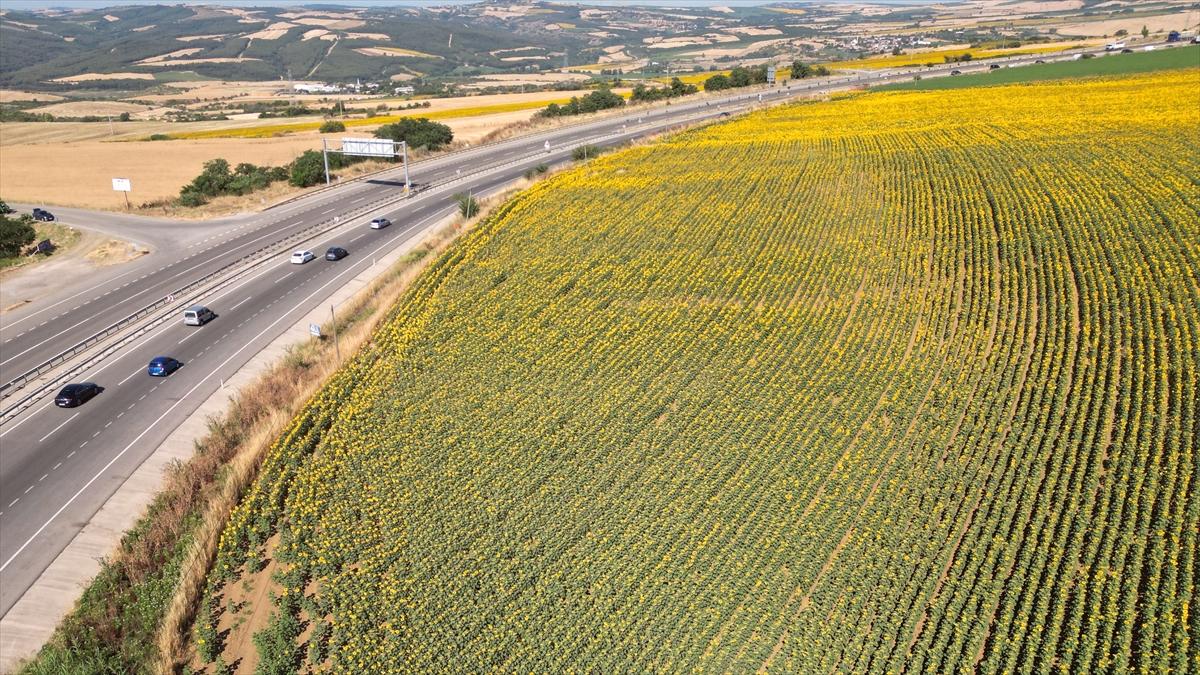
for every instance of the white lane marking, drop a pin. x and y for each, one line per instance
(13, 502)
(189, 336)
(127, 377)
(28, 489)
(183, 398)
(56, 466)
(358, 237)
(355, 201)
(44, 476)
(284, 277)
(241, 303)
(329, 211)
(67, 299)
(58, 427)
(31, 416)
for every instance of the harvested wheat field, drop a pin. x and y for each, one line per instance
(13, 95)
(39, 166)
(82, 108)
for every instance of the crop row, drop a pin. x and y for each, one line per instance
(899, 381)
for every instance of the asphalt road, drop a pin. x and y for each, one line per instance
(58, 466)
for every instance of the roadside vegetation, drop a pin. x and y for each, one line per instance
(632, 422)
(118, 624)
(601, 99)
(674, 89)
(1112, 64)
(20, 234)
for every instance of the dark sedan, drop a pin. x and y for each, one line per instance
(162, 366)
(43, 215)
(336, 253)
(76, 394)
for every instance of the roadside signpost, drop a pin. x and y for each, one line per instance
(369, 147)
(123, 185)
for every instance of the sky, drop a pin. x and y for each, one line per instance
(42, 4)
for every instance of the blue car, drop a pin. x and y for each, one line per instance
(162, 366)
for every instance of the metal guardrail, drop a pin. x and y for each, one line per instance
(329, 225)
(193, 291)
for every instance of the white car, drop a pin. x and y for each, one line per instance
(380, 223)
(301, 257)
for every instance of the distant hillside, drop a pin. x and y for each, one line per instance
(127, 47)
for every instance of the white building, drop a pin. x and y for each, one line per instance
(305, 88)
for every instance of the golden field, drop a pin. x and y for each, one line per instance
(40, 164)
(897, 382)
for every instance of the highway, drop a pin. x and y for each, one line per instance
(58, 466)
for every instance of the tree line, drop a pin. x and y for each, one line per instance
(218, 178)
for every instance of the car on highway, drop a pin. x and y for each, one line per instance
(162, 366)
(1040, 61)
(76, 394)
(994, 66)
(380, 223)
(301, 257)
(336, 253)
(197, 315)
(1127, 50)
(956, 72)
(43, 215)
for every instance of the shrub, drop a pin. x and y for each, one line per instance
(332, 126)
(417, 132)
(15, 235)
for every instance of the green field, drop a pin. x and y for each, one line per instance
(897, 382)
(1187, 56)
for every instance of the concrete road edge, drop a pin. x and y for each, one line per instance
(34, 617)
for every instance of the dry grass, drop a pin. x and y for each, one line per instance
(115, 252)
(81, 108)
(88, 77)
(13, 95)
(261, 412)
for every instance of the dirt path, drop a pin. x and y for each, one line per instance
(28, 284)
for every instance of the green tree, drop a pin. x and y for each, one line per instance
(468, 206)
(801, 70)
(1145, 31)
(124, 117)
(332, 126)
(308, 169)
(417, 132)
(717, 83)
(15, 235)
(739, 77)
(212, 180)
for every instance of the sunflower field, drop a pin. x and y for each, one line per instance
(902, 381)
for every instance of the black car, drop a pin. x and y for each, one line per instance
(76, 394)
(1040, 61)
(43, 215)
(1127, 50)
(336, 253)
(994, 66)
(956, 72)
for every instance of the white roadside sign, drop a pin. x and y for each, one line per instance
(122, 185)
(369, 147)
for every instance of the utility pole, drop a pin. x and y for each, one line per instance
(404, 150)
(111, 131)
(336, 347)
(325, 157)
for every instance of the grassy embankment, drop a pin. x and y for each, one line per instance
(1111, 64)
(62, 236)
(116, 625)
